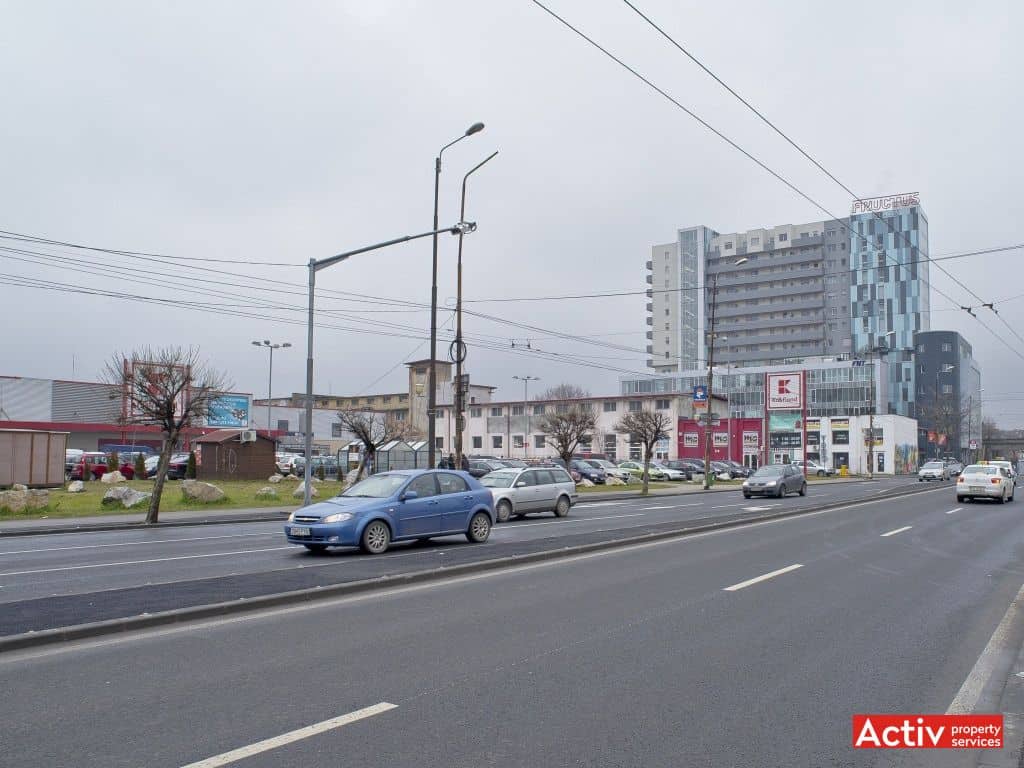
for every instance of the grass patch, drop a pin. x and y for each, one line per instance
(239, 494)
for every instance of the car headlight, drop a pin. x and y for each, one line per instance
(291, 518)
(770, 482)
(337, 517)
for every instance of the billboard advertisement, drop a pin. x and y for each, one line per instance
(690, 440)
(784, 391)
(751, 440)
(229, 411)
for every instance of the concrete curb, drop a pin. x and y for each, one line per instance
(270, 517)
(264, 602)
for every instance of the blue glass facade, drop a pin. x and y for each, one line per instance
(889, 293)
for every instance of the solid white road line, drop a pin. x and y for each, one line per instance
(143, 562)
(898, 530)
(287, 738)
(764, 577)
(136, 543)
(597, 504)
(951, 511)
(998, 649)
(659, 507)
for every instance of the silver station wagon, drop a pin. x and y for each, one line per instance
(517, 492)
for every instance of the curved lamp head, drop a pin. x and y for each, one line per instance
(286, 344)
(258, 343)
(474, 128)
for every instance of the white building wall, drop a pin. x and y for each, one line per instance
(485, 431)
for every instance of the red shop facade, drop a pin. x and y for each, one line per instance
(736, 439)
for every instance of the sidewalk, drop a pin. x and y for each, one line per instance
(266, 514)
(137, 520)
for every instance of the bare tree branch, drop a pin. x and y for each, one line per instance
(646, 427)
(564, 392)
(565, 430)
(374, 430)
(167, 387)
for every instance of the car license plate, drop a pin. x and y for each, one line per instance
(300, 530)
(977, 488)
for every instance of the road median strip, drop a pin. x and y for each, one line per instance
(311, 594)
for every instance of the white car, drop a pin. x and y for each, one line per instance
(668, 472)
(933, 470)
(533, 489)
(985, 481)
(1007, 466)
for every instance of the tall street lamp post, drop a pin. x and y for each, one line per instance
(315, 265)
(526, 437)
(432, 374)
(270, 376)
(711, 372)
(460, 348)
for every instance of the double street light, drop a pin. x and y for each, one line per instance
(315, 265)
(270, 376)
(432, 370)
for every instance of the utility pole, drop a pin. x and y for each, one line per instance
(526, 437)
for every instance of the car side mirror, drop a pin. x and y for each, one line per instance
(410, 495)
(521, 484)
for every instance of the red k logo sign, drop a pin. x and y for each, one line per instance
(785, 391)
(782, 386)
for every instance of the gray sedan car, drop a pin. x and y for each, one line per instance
(775, 480)
(517, 492)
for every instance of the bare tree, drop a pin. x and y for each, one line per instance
(947, 418)
(646, 427)
(567, 427)
(167, 387)
(373, 430)
(563, 391)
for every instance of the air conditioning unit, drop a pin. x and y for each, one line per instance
(247, 436)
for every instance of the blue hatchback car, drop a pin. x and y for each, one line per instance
(396, 506)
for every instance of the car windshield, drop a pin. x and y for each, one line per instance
(979, 469)
(498, 479)
(933, 465)
(376, 487)
(774, 470)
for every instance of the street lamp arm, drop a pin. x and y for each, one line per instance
(469, 173)
(318, 264)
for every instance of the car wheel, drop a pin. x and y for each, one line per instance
(920, 479)
(803, 489)
(504, 511)
(562, 506)
(780, 491)
(376, 538)
(479, 528)
(1002, 499)
(746, 495)
(316, 548)
(821, 473)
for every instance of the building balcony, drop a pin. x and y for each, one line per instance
(650, 265)
(748, 325)
(767, 292)
(803, 334)
(650, 307)
(811, 302)
(778, 258)
(650, 334)
(650, 279)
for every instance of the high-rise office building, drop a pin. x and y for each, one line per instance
(830, 288)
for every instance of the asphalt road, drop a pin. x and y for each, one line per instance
(683, 653)
(55, 581)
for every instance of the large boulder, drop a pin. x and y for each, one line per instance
(614, 481)
(112, 477)
(300, 491)
(76, 486)
(586, 483)
(38, 499)
(125, 497)
(266, 493)
(13, 501)
(194, 490)
(275, 479)
(19, 487)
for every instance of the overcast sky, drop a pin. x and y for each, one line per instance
(277, 132)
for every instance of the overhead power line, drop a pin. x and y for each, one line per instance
(818, 165)
(772, 172)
